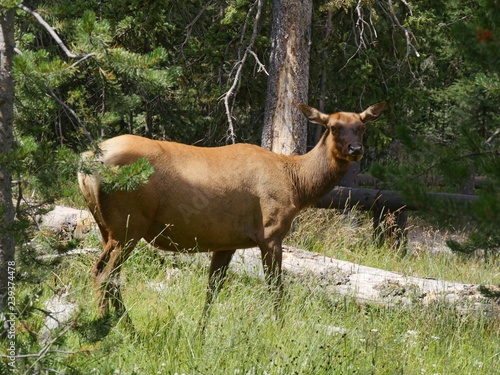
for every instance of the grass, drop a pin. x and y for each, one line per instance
(316, 333)
(349, 237)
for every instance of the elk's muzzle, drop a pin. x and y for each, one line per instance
(355, 149)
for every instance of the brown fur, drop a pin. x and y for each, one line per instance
(215, 199)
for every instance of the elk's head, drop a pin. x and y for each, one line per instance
(346, 129)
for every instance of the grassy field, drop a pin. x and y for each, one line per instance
(315, 333)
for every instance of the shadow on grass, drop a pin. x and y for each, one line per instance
(97, 329)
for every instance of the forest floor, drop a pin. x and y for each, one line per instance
(324, 327)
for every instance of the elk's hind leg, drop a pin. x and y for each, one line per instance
(100, 274)
(106, 273)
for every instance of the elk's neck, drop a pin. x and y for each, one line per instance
(316, 173)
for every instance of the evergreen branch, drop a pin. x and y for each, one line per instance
(51, 31)
(51, 93)
(67, 108)
(458, 158)
(128, 177)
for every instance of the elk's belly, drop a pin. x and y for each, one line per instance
(196, 238)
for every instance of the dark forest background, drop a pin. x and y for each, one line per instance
(161, 68)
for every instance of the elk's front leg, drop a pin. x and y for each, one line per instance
(217, 275)
(272, 255)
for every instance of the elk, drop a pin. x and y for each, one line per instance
(215, 199)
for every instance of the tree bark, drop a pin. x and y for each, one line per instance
(322, 91)
(6, 140)
(285, 128)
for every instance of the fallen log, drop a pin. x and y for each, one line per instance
(368, 199)
(372, 285)
(364, 284)
(365, 179)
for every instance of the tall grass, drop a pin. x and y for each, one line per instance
(315, 332)
(349, 236)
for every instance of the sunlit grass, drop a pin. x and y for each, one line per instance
(315, 332)
(349, 237)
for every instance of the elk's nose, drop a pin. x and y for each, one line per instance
(355, 149)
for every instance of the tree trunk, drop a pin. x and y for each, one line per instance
(322, 90)
(285, 128)
(6, 139)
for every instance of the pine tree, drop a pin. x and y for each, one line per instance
(67, 101)
(450, 128)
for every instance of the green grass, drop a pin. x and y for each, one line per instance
(349, 237)
(316, 332)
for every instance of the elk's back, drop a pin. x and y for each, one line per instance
(197, 198)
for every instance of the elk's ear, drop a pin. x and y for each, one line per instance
(372, 113)
(314, 115)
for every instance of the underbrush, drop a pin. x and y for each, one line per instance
(314, 333)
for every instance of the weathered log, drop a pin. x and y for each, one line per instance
(372, 285)
(368, 199)
(365, 179)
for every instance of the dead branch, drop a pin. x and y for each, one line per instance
(51, 31)
(189, 27)
(84, 57)
(365, 32)
(360, 26)
(391, 13)
(491, 138)
(231, 93)
(261, 67)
